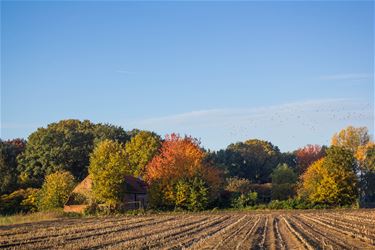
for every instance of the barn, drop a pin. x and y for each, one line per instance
(135, 196)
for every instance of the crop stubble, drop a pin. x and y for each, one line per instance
(336, 229)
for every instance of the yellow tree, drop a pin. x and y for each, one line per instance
(351, 138)
(108, 167)
(366, 156)
(55, 190)
(140, 150)
(331, 180)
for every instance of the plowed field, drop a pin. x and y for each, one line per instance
(337, 229)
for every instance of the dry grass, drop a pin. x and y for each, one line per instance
(32, 217)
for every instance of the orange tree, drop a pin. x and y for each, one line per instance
(179, 177)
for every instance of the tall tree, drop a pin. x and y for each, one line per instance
(351, 138)
(109, 132)
(65, 145)
(180, 159)
(357, 140)
(252, 159)
(366, 156)
(140, 150)
(108, 167)
(9, 150)
(331, 180)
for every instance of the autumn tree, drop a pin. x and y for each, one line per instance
(365, 155)
(56, 190)
(358, 141)
(307, 155)
(284, 180)
(181, 159)
(108, 167)
(331, 180)
(351, 138)
(140, 150)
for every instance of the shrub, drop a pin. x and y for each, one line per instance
(20, 201)
(238, 185)
(55, 190)
(283, 182)
(295, 203)
(244, 200)
(198, 195)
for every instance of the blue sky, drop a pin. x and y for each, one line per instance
(292, 73)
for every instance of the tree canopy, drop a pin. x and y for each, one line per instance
(56, 190)
(253, 159)
(331, 180)
(307, 155)
(351, 138)
(9, 150)
(65, 145)
(283, 182)
(366, 156)
(140, 150)
(108, 167)
(180, 158)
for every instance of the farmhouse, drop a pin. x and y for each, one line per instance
(135, 196)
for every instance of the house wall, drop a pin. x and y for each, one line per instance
(135, 201)
(74, 208)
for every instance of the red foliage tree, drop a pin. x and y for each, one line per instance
(307, 155)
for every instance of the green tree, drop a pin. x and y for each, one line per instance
(331, 180)
(252, 159)
(65, 145)
(140, 150)
(108, 166)
(198, 196)
(283, 182)
(182, 194)
(9, 150)
(56, 190)
(109, 132)
(245, 200)
(19, 201)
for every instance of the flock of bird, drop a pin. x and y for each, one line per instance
(309, 120)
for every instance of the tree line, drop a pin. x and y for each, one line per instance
(39, 173)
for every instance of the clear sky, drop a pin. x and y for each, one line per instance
(292, 73)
